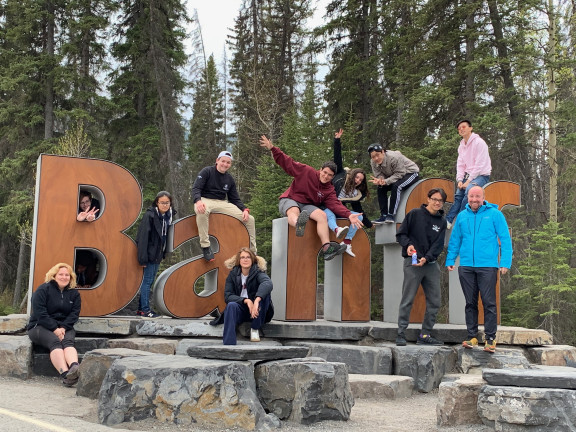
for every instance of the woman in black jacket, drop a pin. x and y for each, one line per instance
(247, 295)
(151, 240)
(55, 309)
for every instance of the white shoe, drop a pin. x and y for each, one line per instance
(341, 232)
(254, 335)
(448, 225)
(349, 250)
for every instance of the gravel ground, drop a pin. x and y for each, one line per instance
(417, 413)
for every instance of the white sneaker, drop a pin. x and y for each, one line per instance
(254, 335)
(448, 225)
(341, 232)
(349, 250)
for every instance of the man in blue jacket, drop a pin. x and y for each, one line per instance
(479, 236)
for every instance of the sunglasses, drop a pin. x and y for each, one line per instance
(374, 147)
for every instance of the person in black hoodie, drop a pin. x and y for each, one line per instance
(422, 233)
(247, 295)
(151, 240)
(55, 309)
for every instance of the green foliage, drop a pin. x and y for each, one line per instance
(547, 291)
(75, 142)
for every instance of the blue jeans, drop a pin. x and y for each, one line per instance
(461, 197)
(332, 223)
(236, 313)
(149, 275)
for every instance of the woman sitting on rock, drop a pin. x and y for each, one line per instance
(247, 295)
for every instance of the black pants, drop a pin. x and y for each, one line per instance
(395, 190)
(46, 338)
(481, 280)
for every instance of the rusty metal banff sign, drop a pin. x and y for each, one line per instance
(59, 237)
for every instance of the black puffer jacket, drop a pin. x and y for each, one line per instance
(151, 248)
(52, 308)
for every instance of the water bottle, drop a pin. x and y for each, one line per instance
(414, 258)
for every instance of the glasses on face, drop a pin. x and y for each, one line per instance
(374, 147)
(246, 257)
(164, 202)
(438, 200)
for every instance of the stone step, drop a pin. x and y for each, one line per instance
(247, 352)
(380, 386)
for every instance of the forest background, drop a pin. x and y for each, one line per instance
(111, 79)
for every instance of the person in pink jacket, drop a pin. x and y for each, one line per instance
(472, 168)
(310, 190)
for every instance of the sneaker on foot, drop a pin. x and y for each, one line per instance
(301, 223)
(149, 314)
(73, 372)
(254, 335)
(401, 340)
(341, 232)
(428, 340)
(349, 249)
(389, 219)
(208, 254)
(333, 250)
(470, 343)
(380, 220)
(490, 346)
(69, 382)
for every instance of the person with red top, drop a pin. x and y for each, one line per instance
(311, 189)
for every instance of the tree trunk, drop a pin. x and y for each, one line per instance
(49, 89)
(552, 162)
(20, 269)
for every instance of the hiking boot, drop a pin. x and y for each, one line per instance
(73, 372)
(401, 340)
(470, 343)
(380, 220)
(254, 335)
(349, 249)
(333, 250)
(424, 339)
(208, 254)
(301, 223)
(69, 382)
(341, 232)
(389, 219)
(490, 346)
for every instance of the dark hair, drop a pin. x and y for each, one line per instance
(376, 147)
(160, 195)
(330, 165)
(464, 121)
(84, 193)
(437, 190)
(350, 185)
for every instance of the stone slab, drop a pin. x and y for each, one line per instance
(522, 336)
(95, 365)
(473, 360)
(527, 409)
(538, 377)
(360, 359)
(15, 356)
(448, 333)
(179, 328)
(553, 355)
(184, 344)
(320, 330)
(14, 323)
(458, 400)
(247, 352)
(107, 325)
(380, 386)
(426, 365)
(153, 345)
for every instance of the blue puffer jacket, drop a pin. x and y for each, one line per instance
(475, 238)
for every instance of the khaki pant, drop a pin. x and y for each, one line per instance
(223, 207)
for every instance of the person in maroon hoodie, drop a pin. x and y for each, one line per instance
(310, 189)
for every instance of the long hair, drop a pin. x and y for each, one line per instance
(52, 273)
(248, 251)
(349, 184)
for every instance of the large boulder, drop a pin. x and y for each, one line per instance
(427, 365)
(15, 356)
(360, 359)
(153, 345)
(305, 390)
(14, 323)
(458, 400)
(380, 387)
(553, 355)
(472, 361)
(527, 409)
(182, 390)
(95, 365)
